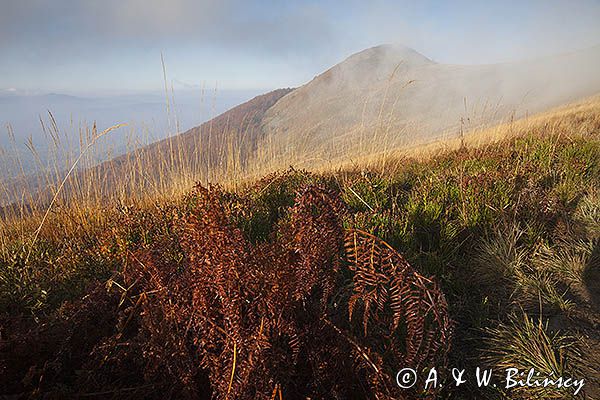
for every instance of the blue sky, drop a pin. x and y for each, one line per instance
(89, 46)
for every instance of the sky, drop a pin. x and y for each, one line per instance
(115, 46)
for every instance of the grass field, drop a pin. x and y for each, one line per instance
(505, 221)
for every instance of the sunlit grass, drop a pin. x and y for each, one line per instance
(524, 343)
(506, 219)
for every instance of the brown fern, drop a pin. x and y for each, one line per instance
(232, 318)
(404, 313)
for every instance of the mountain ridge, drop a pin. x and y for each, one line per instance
(413, 99)
(378, 100)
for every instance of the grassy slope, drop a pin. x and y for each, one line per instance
(509, 227)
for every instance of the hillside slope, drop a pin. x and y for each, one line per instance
(375, 102)
(243, 294)
(209, 145)
(384, 98)
(391, 96)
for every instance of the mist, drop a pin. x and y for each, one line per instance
(70, 46)
(391, 97)
(73, 58)
(29, 121)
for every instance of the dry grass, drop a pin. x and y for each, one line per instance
(79, 198)
(524, 343)
(520, 215)
(569, 120)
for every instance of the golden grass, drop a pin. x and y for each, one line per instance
(570, 120)
(79, 199)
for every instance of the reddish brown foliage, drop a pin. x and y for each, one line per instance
(395, 299)
(36, 357)
(259, 319)
(241, 320)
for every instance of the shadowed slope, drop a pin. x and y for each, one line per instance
(209, 145)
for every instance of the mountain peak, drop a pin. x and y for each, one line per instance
(373, 64)
(391, 53)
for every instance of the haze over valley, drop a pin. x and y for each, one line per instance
(25, 116)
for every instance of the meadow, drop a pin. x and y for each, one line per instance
(319, 281)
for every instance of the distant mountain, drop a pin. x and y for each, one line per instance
(383, 98)
(391, 96)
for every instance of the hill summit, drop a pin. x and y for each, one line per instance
(392, 97)
(381, 99)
